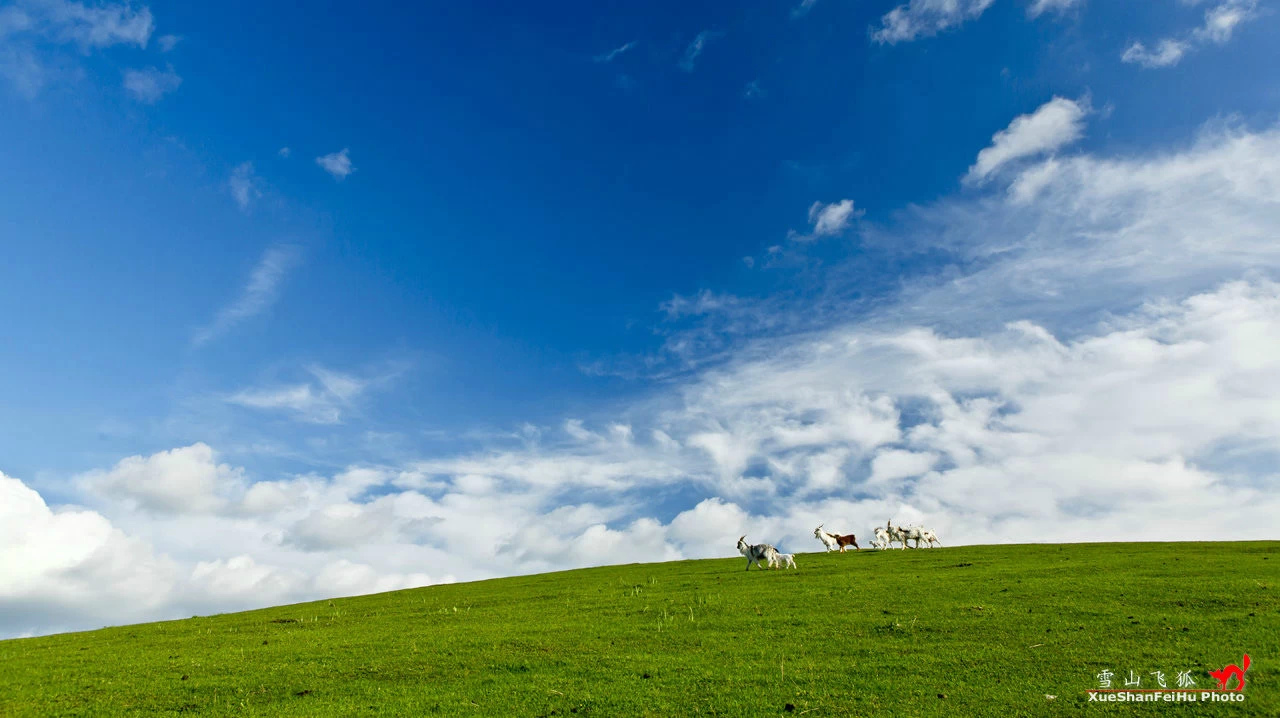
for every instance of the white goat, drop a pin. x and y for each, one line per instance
(828, 540)
(788, 560)
(831, 541)
(930, 538)
(882, 538)
(903, 535)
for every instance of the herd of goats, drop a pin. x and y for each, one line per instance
(886, 537)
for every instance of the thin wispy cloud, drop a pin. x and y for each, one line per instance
(926, 18)
(337, 164)
(258, 294)
(610, 55)
(1040, 7)
(1166, 53)
(243, 185)
(150, 84)
(695, 48)
(28, 29)
(168, 42)
(326, 397)
(94, 26)
(1221, 21)
(284, 152)
(803, 8)
(21, 68)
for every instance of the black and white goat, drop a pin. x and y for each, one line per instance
(756, 553)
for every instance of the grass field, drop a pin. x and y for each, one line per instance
(983, 630)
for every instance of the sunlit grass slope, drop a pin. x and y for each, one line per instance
(983, 630)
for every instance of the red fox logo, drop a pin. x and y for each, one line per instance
(1224, 676)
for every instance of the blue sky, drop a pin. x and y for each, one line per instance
(623, 272)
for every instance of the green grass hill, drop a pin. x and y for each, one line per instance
(972, 631)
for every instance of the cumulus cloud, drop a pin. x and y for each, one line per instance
(148, 85)
(828, 220)
(1053, 125)
(71, 568)
(925, 18)
(179, 481)
(1102, 363)
(337, 164)
(258, 294)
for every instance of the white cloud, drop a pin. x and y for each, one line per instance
(705, 302)
(183, 480)
(168, 42)
(895, 464)
(803, 8)
(302, 399)
(1167, 53)
(257, 295)
(149, 85)
(70, 568)
(1054, 124)
(614, 53)
(830, 219)
(337, 164)
(1039, 7)
(925, 18)
(1103, 365)
(95, 25)
(323, 400)
(695, 48)
(1220, 23)
(284, 153)
(28, 25)
(243, 185)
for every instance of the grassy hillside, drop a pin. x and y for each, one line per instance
(985, 630)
